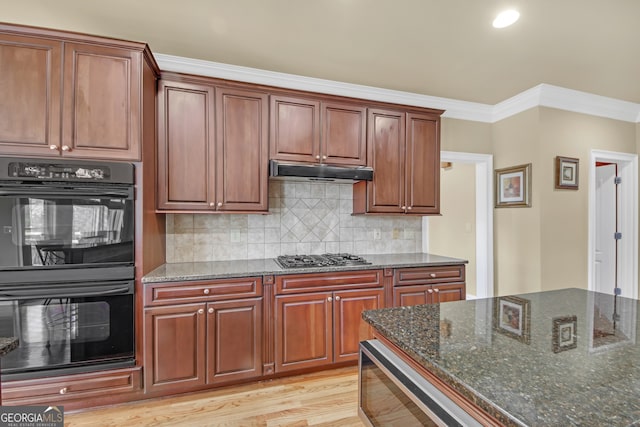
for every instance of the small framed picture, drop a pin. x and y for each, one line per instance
(567, 173)
(564, 333)
(512, 317)
(513, 186)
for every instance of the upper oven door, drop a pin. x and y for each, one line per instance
(57, 226)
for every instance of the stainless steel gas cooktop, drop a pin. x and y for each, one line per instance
(324, 260)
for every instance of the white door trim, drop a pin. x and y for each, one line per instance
(628, 245)
(484, 218)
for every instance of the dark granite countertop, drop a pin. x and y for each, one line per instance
(8, 344)
(257, 267)
(558, 358)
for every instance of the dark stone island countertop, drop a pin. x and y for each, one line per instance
(7, 345)
(175, 272)
(558, 358)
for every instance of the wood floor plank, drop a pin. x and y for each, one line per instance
(321, 399)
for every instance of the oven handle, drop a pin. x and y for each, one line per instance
(53, 192)
(39, 293)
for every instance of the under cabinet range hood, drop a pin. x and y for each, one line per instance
(319, 172)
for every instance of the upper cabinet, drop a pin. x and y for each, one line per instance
(312, 131)
(404, 152)
(71, 97)
(212, 148)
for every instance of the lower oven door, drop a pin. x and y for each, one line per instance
(67, 328)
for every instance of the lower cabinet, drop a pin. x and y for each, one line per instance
(321, 328)
(427, 294)
(428, 285)
(188, 346)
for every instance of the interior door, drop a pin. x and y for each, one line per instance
(606, 218)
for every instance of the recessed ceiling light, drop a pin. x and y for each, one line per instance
(506, 18)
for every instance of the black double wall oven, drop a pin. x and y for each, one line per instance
(66, 265)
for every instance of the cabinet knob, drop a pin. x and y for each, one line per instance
(436, 290)
(219, 204)
(318, 157)
(212, 204)
(403, 207)
(201, 311)
(63, 390)
(430, 291)
(337, 298)
(206, 291)
(409, 207)
(432, 275)
(53, 147)
(210, 311)
(324, 157)
(329, 299)
(66, 148)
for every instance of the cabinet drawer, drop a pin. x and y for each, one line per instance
(81, 386)
(422, 275)
(313, 282)
(202, 291)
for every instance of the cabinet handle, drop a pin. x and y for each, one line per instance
(409, 207)
(318, 157)
(63, 390)
(219, 204)
(324, 157)
(210, 311)
(432, 275)
(206, 291)
(403, 207)
(337, 298)
(212, 204)
(436, 290)
(53, 147)
(201, 311)
(66, 148)
(430, 291)
(329, 299)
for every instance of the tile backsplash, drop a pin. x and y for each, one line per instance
(304, 218)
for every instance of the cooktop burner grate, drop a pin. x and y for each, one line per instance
(324, 260)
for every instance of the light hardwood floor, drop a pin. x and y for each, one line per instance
(328, 398)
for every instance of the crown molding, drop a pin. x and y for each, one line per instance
(543, 95)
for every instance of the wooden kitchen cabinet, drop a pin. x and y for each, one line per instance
(404, 152)
(427, 285)
(318, 317)
(67, 97)
(200, 334)
(212, 148)
(318, 132)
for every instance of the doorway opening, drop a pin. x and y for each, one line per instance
(483, 224)
(613, 223)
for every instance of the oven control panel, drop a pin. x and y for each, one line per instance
(58, 171)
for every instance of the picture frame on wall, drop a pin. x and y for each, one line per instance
(513, 186)
(567, 173)
(512, 317)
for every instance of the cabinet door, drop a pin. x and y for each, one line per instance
(349, 328)
(450, 292)
(423, 164)
(242, 150)
(234, 340)
(412, 295)
(303, 337)
(385, 145)
(295, 129)
(174, 347)
(186, 152)
(102, 102)
(30, 70)
(344, 139)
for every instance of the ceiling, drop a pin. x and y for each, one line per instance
(443, 48)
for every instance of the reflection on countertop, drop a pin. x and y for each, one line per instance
(565, 357)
